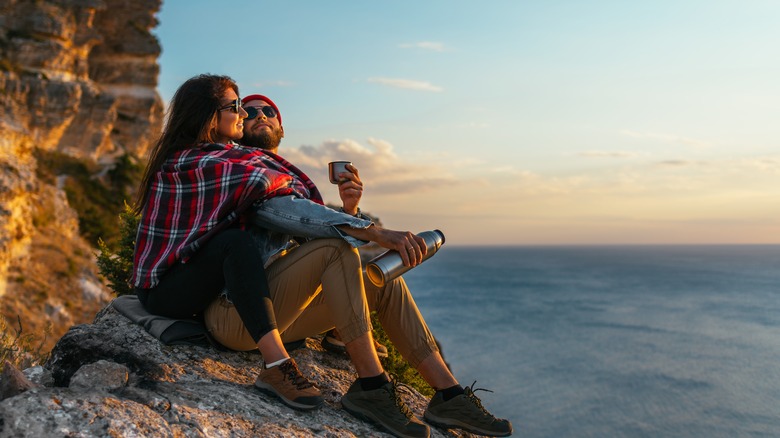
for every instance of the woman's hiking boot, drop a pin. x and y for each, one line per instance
(466, 412)
(286, 382)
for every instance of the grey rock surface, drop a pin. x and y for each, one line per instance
(174, 391)
(13, 382)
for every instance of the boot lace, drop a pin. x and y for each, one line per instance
(294, 375)
(399, 402)
(469, 393)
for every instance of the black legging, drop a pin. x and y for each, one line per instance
(231, 259)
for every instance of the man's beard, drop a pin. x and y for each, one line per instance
(263, 140)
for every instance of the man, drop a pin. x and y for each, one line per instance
(293, 267)
(265, 130)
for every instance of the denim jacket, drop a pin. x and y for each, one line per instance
(281, 222)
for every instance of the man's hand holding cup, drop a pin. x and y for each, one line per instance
(346, 176)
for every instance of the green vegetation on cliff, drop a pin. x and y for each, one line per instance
(96, 198)
(117, 265)
(22, 350)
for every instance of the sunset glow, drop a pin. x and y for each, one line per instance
(514, 122)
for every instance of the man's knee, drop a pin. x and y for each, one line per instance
(337, 249)
(380, 298)
(226, 326)
(342, 246)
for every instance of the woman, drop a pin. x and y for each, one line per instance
(191, 243)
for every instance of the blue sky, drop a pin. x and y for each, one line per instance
(516, 122)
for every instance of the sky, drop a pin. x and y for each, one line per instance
(511, 122)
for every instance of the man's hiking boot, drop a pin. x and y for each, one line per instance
(385, 408)
(465, 412)
(333, 343)
(286, 382)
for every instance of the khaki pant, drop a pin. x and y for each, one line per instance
(319, 286)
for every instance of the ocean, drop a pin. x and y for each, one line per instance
(612, 341)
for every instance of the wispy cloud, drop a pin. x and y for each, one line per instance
(491, 200)
(425, 45)
(668, 138)
(407, 84)
(681, 163)
(764, 164)
(379, 167)
(608, 154)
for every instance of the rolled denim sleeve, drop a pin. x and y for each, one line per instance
(302, 217)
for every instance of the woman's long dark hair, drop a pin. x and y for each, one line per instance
(192, 119)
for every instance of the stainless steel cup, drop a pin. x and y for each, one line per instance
(389, 265)
(336, 167)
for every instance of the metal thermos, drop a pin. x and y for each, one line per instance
(389, 265)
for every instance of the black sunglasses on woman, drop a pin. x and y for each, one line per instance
(234, 106)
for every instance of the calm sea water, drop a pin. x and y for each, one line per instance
(622, 341)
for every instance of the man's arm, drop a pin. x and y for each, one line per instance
(302, 217)
(410, 246)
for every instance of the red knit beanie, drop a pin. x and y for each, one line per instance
(266, 100)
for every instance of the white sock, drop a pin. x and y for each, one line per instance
(277, 363)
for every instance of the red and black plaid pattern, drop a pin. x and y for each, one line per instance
(201, 191)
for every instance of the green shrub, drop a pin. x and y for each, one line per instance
(117, 266)
(96, 200)
(21, 349)
(395, 364)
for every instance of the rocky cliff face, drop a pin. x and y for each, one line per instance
(111, 378)
(76, 77)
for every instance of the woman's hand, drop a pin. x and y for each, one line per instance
(350, 189)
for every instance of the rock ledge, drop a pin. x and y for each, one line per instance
(111, 378)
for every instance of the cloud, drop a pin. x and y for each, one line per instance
(668, 138)
(681, 163)
(408, 186)
(425, 45)
(379, 167)
(763, 164)
(407, 84)
(608, 154)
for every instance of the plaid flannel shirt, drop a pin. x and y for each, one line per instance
(200, 191)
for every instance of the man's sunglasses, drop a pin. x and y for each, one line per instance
(234, 106)
(253, 111)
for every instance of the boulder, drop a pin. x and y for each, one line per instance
(111, 378)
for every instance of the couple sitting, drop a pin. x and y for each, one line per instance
(216, 216)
